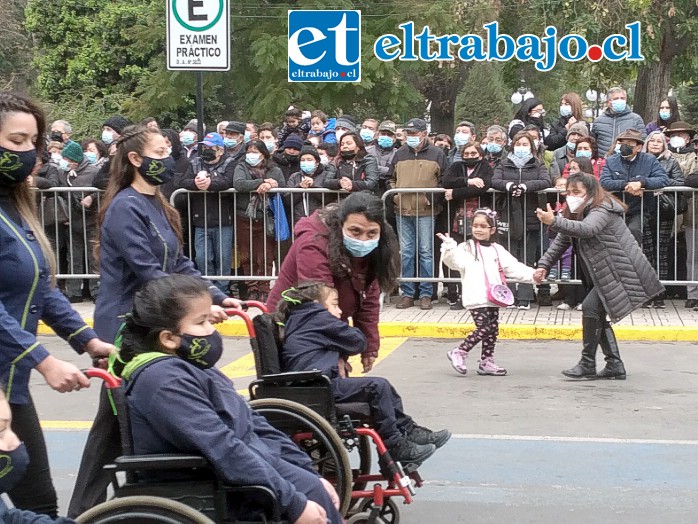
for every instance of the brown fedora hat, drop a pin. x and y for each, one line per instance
(631, 134)
(680, 127)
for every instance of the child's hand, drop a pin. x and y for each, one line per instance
(448, 242)
(539, 275)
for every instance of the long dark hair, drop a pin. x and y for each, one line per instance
(159, 305)
(585, 165)
(122, 174)
(361, 153)
(175, 142)
(383, 262)
(526, 106)
(595, 192)
(675, 115)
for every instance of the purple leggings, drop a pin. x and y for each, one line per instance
(486, 330)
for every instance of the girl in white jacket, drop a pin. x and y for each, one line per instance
(474, 259)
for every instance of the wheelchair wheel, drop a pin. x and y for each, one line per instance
(364, 518)
(321, 443)
(389, 513)
(143, 510)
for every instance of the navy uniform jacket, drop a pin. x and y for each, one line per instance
(26, 296)
(138, 245)
(175, 407)
(314, 339)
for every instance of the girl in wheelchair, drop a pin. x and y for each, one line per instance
(315, 337)
(179, 402)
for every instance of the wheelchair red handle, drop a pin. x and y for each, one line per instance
(254, 304)
(234, 312)
(110, 381)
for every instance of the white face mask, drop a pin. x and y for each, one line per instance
(324, 160)
(677, 142)
(575, 203)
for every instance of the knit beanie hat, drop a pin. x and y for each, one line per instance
(346, 122)
(293, 141)
(117, 123)
(72, 151)
(580, 128)
(309, 150)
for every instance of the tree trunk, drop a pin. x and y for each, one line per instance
(442, 114)
(651, 87)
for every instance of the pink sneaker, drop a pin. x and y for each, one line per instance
(488, 367)
(457, 358)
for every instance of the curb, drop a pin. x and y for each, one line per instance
(237, 328)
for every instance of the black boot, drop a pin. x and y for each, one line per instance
(614, 365)
(591, 329)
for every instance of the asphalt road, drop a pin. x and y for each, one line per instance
(531, 447)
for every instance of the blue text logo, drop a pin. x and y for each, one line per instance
(542, 51)
(324, 46)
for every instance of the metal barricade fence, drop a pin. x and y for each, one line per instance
(246, 242)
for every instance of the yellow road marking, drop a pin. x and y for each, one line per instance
(240, 368)
(388, 345)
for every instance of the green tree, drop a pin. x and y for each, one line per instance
(484, 99)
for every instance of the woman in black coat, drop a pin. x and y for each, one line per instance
(571, 112)
(531, 112)
(519, 176)
(356, 169)
(466, 183)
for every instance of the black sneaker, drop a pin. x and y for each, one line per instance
(690, 303)
(457, 306)
(408, 452)
(659, 304)
(545, 300)
(75, 300)
(422, 435)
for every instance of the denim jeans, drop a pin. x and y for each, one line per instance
(416, 241)
(214, 253)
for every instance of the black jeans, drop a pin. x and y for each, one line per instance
(35, 492)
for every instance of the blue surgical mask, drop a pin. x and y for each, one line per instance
(565, 110)
(247, 136)
(13, 466)
(522, 152)
(204, 352)
(665, 114)
(461, 139)
(230, 142)
(385, 142)
(64, 165)
(360, 248)
(188, 138)
(253, 158)
(270, 144)
(366, 135)
(107, 137)
(571, 145)
(91, 157)
(308, 166)
(494, 148)
(413, 141)
(583, 154)
(619, 105)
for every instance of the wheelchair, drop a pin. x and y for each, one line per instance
(185, 489)
(301, 404)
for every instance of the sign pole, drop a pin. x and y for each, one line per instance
(200, 107)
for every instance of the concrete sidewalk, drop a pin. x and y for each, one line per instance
(675, 323)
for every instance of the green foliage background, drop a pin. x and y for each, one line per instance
(88, 59)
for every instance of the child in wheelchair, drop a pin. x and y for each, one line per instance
(315, 337)
(179, 402)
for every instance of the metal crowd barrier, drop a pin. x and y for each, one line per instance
(255, 256)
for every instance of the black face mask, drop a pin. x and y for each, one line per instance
(626, 150)
(204, 352)
(56, 136)
(347, 155)
(208, 155)
(13, 466)
(471, 162)
(157, 171)
(16, 166)
(291, 158)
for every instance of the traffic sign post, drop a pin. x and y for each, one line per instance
(198, 35)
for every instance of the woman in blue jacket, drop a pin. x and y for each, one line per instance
(140, 240)
(28, 294)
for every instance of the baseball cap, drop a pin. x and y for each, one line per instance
(416, 124)
(213, 140)
(388, 125)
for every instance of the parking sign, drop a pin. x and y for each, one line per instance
(198, 35)
(324, 46)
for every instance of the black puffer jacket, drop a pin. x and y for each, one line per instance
(210, 209)
(613, 260)
(304, 204)
(363, 174)
(520, 211)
